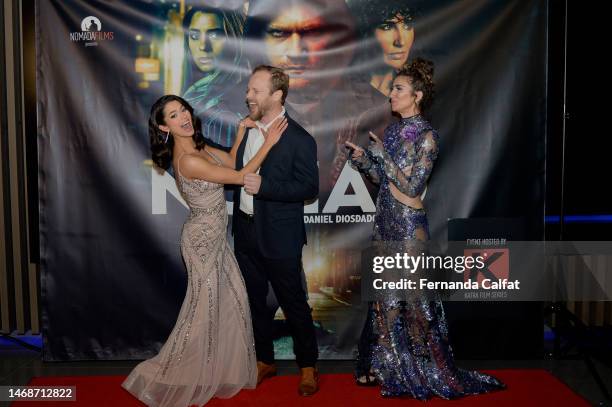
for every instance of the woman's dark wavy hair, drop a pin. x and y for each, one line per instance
(369, 14)
(233, 20)
(421, 71)
(161, 152)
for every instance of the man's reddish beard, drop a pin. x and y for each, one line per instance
(256, 114)
(256, 117)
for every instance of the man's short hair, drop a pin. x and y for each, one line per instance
(278, 78)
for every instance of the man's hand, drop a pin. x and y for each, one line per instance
(252, 183)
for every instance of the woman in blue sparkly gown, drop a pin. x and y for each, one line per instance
(404, 345)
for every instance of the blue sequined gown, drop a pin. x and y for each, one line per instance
(405, 341)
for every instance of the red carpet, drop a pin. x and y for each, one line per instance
(525, 388)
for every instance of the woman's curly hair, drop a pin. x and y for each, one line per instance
(421, 71)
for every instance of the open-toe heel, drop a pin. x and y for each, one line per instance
(366, 380)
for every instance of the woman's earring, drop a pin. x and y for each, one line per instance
(167, 135)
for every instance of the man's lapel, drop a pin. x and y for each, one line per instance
(240, 152)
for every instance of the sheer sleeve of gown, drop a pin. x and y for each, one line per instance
(365, 165)
(409, 179)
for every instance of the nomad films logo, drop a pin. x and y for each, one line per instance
(91, 32)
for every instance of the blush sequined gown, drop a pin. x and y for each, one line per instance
(210, 351)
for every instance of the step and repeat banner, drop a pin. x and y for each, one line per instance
(113, 278)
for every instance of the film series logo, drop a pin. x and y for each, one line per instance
(494, 276)
(91, 32)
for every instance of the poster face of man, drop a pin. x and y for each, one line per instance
(310, 40)
(296, 40)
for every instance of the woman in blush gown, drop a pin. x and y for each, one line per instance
(210, 351)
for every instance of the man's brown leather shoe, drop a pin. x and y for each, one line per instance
(264, 370)
(309, 383)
